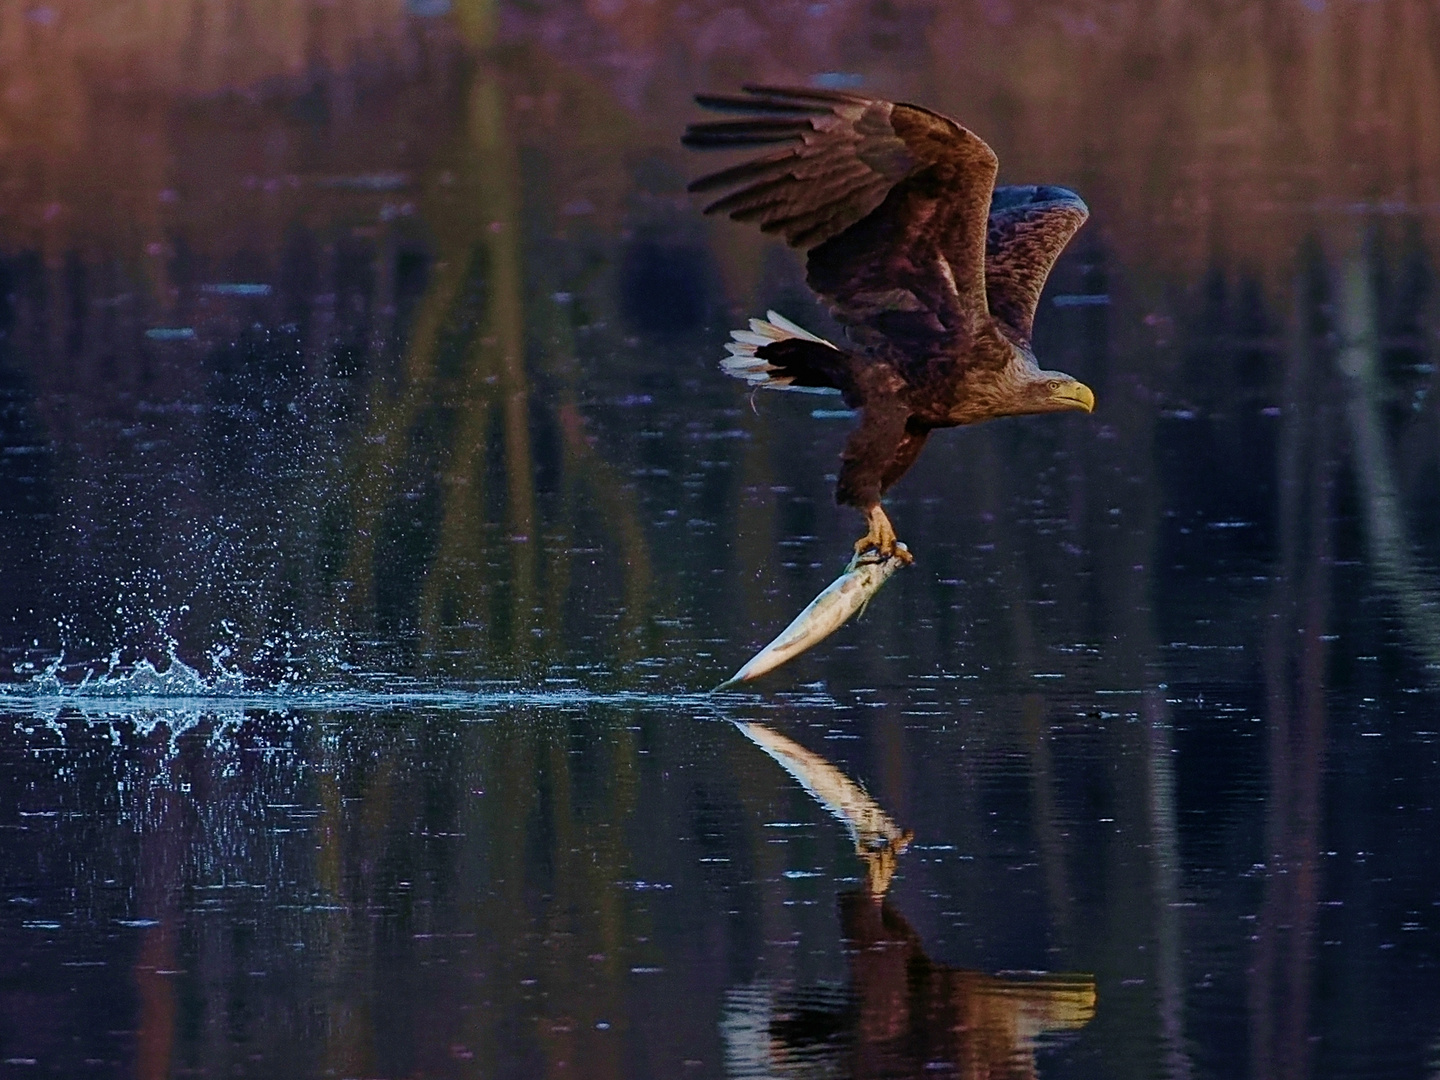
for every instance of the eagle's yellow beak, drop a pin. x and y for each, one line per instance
(1074, 395)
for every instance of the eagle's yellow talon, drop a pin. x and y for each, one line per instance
(882, 538)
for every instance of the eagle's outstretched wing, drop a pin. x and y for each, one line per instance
(890, 201)
(1029, 226)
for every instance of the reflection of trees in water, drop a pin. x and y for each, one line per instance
(1198, 132)
(1415, 593)
(238, 436)
(1336, 390)
(1294, 665)
(321, 893)
(1330, 486)
(1203, 128)
(1238, 398)
(189, 471)
(462, 431)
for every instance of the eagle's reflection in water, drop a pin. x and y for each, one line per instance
(900, 1014)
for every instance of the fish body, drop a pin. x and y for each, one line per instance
(842, 599)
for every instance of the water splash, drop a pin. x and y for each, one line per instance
(141, 679)
(177, 694)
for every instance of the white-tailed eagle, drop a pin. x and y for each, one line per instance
(934, 271)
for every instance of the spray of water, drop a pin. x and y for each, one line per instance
(140, 679)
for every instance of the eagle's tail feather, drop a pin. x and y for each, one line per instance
(760, 356)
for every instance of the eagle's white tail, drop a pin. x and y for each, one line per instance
(742, 363)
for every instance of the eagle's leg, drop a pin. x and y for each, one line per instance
(881, 536)
(884, 445)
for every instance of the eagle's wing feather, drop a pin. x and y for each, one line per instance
(1029, 227)
(889, 200)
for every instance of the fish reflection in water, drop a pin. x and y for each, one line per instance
(900, 1013)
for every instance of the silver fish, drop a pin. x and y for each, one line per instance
(832, 609)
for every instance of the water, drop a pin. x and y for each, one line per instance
(373, 519)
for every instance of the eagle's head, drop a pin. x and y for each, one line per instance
(1021, 388)
(1054, 391)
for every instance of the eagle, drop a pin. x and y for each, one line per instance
(933, 270)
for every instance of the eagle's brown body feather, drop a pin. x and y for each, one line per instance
(934, 271)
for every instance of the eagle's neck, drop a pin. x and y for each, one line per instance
(1023, 369)
(1007, 391)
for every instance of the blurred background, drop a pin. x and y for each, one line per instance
(356, 349)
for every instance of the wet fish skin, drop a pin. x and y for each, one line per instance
(833, 608)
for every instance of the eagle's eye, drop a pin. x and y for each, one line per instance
(1053, 384)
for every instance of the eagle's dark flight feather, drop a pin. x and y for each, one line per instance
(890, 201)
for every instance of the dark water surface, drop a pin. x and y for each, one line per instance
(373, 518)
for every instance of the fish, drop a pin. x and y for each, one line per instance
(846, 596)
